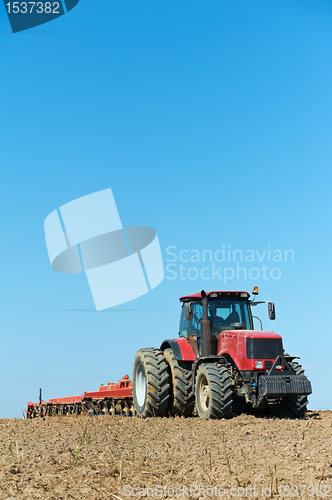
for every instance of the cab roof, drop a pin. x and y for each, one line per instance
(219, 294)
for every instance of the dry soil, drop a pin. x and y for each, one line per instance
(113, 457)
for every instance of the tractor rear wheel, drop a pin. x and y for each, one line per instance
(182, 398)
(296, 406)
(213, 391)
(150, 383)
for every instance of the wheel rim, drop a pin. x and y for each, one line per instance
(204, 394)
(140, 386)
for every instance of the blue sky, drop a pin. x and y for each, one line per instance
(212, 123)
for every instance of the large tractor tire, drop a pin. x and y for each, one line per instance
(296, 406)
(182, 398)
(150, 383)
(213, 391)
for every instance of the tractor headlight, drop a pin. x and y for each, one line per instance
(259, 364)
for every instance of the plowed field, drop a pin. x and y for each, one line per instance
(111, 457)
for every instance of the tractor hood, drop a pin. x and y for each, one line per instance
(254, 334)
(246, 347)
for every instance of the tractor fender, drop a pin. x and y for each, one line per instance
(181, 348)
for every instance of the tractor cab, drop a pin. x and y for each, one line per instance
(226, 311)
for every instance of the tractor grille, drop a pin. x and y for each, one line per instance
(263, 348)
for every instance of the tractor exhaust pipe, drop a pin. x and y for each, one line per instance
(205, 328)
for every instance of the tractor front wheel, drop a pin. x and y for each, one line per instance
(213, 391)
(296, 406)
(150, 383)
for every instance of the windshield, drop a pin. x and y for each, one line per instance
(221, 313)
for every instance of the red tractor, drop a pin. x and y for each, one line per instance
(220, 363)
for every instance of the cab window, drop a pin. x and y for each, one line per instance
(191, 328)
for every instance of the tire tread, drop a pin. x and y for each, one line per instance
(157, 393)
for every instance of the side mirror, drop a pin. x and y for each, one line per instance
(271, 310)
(188, 311)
